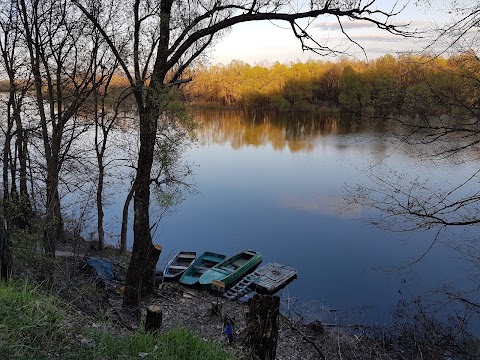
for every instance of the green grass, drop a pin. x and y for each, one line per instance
(35, 325)
(176, 344)
(29, 321)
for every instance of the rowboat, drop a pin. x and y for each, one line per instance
(231, 269)
(178, 264)
(203, 263)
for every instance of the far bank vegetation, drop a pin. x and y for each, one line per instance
(407, 84)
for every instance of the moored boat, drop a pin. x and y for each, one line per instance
(231, 269)
(178, 265)
(202, 264)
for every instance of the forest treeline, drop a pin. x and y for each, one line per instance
(388, 85)
(407, 84)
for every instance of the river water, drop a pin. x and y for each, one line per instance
(277, 184)
(280, 184)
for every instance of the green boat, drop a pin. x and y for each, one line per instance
(232, 269)
(202, 264)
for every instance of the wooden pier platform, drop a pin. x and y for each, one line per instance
(273, 277)
(267, 279)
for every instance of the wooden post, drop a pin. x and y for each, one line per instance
(5, 255)
(261, 334)
(217, 308)
(219, 288)
(153, 322)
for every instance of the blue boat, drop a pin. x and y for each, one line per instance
(203, 263)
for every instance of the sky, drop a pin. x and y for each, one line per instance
(267, 42)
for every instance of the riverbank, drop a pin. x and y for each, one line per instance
(182, 307)
(93, 321)
(93, 305)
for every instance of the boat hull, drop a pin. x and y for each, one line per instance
(178, 265)
(232, 269)
(202, 264)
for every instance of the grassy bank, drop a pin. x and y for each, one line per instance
(35, 325)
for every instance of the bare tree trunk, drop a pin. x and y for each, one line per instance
(100, 150)
(123, 232)
(22, 157)
(149, 112)
(24, 199)
(138, 268)
(101, 232)
(5, 255)
(33, 202)
(54, 222)
(13, 172)
(7, 145)
(105, 119)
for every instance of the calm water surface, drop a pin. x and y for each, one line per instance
(276, 185)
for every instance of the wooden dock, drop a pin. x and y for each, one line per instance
(241, 288)
(273, 277)
(267, 279)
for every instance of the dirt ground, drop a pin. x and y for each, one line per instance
(192, 308)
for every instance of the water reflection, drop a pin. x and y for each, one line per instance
(324, 204)
(274, 183)
(295, 132)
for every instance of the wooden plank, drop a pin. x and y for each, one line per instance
(186, 256)
(175, 267)
(201, 268)
(211, 258)
(273, 277)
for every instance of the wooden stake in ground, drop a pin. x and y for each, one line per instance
(219, 288)
(5, 255)
(153, 322)
(261, 334)
(217, 308)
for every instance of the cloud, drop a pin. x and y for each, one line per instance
(378, 37)
(363, 24)
(325, 205)
(333, 25)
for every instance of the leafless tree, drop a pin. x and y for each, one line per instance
(63, 74)
(107, 102)
(13, 62)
